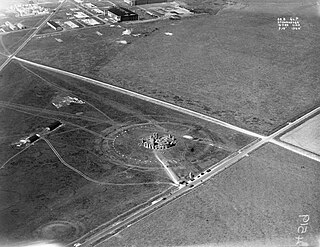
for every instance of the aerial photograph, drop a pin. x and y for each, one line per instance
(159, 123)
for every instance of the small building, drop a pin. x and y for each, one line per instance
(71, 24)
(80, 15)
(21, 26)
(90, 22)
(122, 14)
(89, 5)
(141, 2)
(10, 25)
(54, 25)
(98, 11)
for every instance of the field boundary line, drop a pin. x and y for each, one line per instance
(295, 149)
(143, 97)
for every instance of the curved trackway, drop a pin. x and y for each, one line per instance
(108, 232)
(12, 157)
(87, 177)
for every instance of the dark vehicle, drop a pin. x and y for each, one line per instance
(209, 170)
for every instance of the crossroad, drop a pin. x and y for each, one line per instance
(107, 232)
(110, 231)
(30, 37)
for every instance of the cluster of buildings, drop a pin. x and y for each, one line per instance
(30, 9)
(11, 27)
(154, 141)
(33, 138)
(61, 101)
(91, 7)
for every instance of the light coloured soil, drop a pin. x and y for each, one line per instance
(306, 136)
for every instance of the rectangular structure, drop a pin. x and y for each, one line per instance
(54, 25)
(71, 24)
(122, 14)
(141, 2)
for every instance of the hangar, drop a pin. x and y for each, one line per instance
(141, 2)
(54, 25)
(122, 14)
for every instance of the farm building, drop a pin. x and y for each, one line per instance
(122, 14)
(141, 2)
(54, 25)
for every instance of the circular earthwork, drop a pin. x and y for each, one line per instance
(59, 230)
(126, 142)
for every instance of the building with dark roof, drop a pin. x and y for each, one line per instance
(54, 125)
(141, 2)
(33, 138)
(54, 25)
(122, 14)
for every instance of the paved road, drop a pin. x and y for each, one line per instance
(30, 37)
(144, 97)
(108, 232)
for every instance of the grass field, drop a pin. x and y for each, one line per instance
(256, 202)
(11, 41)
(79, 176)
(236, 66)
(2, 59)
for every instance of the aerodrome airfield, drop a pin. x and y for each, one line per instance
(147, 123)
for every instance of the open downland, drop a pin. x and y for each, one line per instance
(11, 41)
(92, 169)
(236, 66)
(256, 202)
(2, 59)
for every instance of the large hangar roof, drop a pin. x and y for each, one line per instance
(120, 11)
